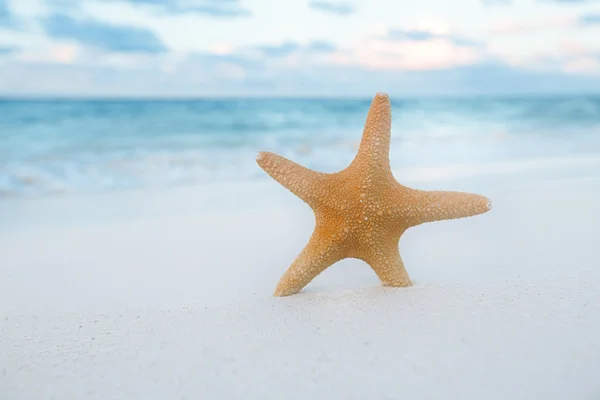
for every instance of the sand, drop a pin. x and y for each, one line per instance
(168, 295)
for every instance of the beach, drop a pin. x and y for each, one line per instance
(163, 294)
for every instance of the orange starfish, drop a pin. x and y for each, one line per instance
(362, 211)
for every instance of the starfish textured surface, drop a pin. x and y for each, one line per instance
(362, 211)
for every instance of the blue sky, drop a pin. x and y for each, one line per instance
(298, 47)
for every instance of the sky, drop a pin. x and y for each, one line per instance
(194, 48)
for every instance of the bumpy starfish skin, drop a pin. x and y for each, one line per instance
(362, 211)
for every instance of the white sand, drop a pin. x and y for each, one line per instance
(171, 298)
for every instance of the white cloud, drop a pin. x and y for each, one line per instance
(55, 53)
(221, 48)
(415, 55)
(428, 43)
(65, 54)
(515, 26)
(572, 47)
(431, 24)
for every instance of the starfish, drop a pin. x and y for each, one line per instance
(362, 211)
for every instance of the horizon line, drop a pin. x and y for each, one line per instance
(158, 97)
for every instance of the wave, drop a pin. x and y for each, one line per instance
(168, 170)
(61, 147)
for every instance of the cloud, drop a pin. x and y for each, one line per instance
(506, 2)
(573, 48)
(571, 57)
(213, 8)
(414, 55)
(321, 46)
(425, 35)
(6, 17)
(255, 65)
(331, 7)
(496, 2)
(210, 68)
(281, 50)
(516, 27)
(512, 26)
(7, 50)
(100, 35)
(64, 54)
(590, 19)
(571, 1)
(259, 62)
(413, 49)
(289, 47)
(3, 9)
(52, 54)
(575, 58)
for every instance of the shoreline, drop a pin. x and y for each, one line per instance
(27, 212)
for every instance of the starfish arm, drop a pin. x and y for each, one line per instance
(388, 265)
(320, 253)
(303, 182)
(374, 149)
(429, 206)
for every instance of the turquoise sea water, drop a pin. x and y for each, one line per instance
(62, 147)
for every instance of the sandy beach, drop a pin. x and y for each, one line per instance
(164, 295)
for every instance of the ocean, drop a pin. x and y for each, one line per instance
(81, 147)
